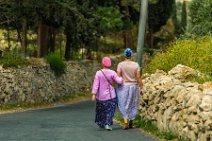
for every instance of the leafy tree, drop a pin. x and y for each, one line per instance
(175, 18)
(200, 13)
(124, 7)
(109, 19)
(184, 17)
(80, 21)
(159, 12)
(16, 15)
(50, 18)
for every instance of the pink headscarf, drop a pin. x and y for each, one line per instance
(106, 62)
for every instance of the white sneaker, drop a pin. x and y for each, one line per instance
(107, 127)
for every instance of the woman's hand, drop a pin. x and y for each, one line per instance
(141, 93)
(93, 97)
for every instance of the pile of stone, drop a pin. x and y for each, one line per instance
(183, 107)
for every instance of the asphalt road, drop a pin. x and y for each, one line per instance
(72, 122)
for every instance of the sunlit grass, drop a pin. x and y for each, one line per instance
(194, 53)
(149, 127)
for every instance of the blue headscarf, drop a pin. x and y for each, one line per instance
(128, 53)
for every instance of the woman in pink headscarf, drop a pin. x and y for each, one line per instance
(104, 94)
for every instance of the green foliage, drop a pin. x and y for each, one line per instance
(110, 45)
(200, 12)
(56, 64)
(195, 53)
(169, 135)
(149, 126)
(12, 59)
(183, 139)
(160, 13)
(184, 17)
(110, 19)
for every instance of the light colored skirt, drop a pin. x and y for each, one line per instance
(128, 100)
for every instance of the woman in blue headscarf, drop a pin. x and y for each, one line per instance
(128, 92)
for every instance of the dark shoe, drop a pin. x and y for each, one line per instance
(126, 126)
(131, 124)
(107, 127)
(101, 126)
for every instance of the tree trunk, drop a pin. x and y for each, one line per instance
(24, 40)
(52, 35)
(68, 46)
(42, 39)
(150, 39)
(127, 34)
(71, 38)
(184, 17)
(128, 43)
(19, 35)
(89, 55)
(8, 38)
(174, 17)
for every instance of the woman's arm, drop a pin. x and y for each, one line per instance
(119, 73)
(138, 76)
(95, 87)
(119, 70)
(117, 78)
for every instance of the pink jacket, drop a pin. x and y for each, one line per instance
(101, 86)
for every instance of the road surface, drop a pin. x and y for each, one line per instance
(71, 122)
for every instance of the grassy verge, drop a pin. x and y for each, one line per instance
(149, 127)
(24, 106)
(195, 53)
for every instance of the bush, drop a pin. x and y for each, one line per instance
(195, 53)
(12, 59)
(200, 12)
(56, 64)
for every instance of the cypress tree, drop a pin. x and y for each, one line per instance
(184, 17)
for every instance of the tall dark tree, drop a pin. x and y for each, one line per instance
(70, 33)
(21, 13)
(50, 18)
(10, 17)
(200, 13)
(174, 18)
(158, 14)
(42, 39)
(88, 28)
(184, 17)
(127, 34)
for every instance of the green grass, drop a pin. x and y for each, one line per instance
(150, 127)
(25, 105)
(194, 53)
(183, 139)
(13, 58)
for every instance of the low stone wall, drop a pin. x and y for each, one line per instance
(37, 82)
(184, 108)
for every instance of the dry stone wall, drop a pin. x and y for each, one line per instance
(38, 83)
(182, 107)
